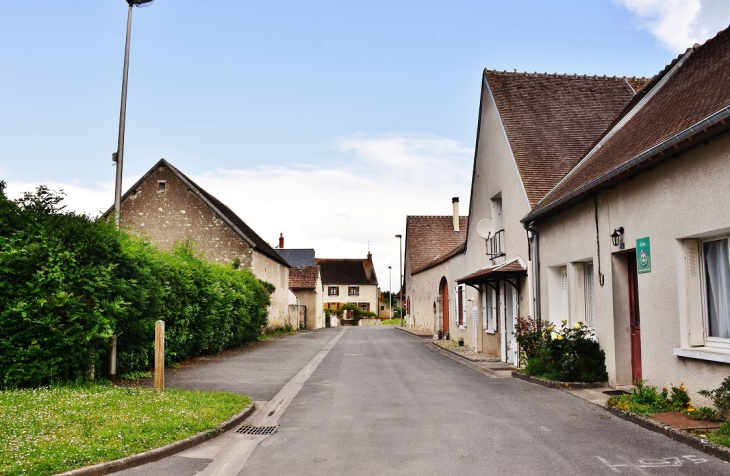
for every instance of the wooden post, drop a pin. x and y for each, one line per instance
(160, 356)
(113, 359)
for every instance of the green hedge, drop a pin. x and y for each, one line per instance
(69, 283)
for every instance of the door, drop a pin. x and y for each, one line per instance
(634, 319)
(445, 304)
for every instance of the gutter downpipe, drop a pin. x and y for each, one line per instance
(714, 119)
(536, 286)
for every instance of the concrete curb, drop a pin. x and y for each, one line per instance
(554, 384)
(428, 336)
(157, 454)
(464, 356)
(687, 438)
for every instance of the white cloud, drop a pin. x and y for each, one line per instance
(678, 24)
(334, 210)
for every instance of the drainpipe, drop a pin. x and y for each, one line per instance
(536, 236)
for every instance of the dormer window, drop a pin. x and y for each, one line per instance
(161, 186)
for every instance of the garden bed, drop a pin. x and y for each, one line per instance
(555, 384)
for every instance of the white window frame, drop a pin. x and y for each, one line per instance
(489, 304)
(710, 341)
(353, 290)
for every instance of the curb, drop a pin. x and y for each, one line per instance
(413, 334)
(688, 439)
(157, 454)
(554, 384)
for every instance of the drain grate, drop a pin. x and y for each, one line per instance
(257, 430)
(616, 392)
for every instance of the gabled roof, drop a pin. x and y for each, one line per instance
(431, 240)
(347, 271)
(692, 99)
(552, 120)
(232, 220)
(297, 257)
(303, 277)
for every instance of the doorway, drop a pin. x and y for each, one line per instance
(634, 318)
(444, 295)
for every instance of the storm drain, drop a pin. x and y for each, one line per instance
(257, 430)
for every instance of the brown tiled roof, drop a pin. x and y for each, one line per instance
(510, 268)
(696, 89)
(347, 271)
(303, 277)
(551, 120)
(432, 239)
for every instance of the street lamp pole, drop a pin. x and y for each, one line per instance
(400, 283)
(118, 156)
(390, 292)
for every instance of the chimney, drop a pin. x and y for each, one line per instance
(455, 202)
(281, 240)
(370, 257)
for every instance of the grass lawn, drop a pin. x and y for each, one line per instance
(50, 430)
(391, 322)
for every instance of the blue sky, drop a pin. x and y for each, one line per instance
(304, 117)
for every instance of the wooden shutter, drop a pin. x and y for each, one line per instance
(456, 305)
(493, 310)
(695, 318)
(579, 293)
(485, 318)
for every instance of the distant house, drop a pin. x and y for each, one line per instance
(634, 239)
(168, 207)
(349, 281)
(305, 281)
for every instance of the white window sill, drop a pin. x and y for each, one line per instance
(462, 327)
(713, 354)
(488, 331)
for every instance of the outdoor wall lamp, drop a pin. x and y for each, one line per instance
(616, 236)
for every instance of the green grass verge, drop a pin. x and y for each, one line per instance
(391, 322)
(50, 430)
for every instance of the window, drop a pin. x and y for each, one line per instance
(353, 291)
(489, 308)
(590, 319)
(161, 186)
(364, 306)
(460, 305)
(333, 291)
(495, 247)
(707, 265)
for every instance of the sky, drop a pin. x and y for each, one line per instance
(327, 121)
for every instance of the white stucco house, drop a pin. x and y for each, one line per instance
(350, 281)
(635, 238)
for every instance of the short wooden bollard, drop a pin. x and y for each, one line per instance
(160, 356)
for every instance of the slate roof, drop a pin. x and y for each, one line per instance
(238, 225)
(431, 240)
(347, 271)
(691, 99)
(297, 257)
(511, 268)
(552, 120)
(303, 277)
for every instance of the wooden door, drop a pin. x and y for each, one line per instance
(634, 319)
(445, 304)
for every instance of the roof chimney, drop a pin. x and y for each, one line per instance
(455, 202)
(281, 240)
(370, 257)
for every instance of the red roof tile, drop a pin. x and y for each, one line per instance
(696, 88)
(303, 277)
(432, 239)
(552, 120)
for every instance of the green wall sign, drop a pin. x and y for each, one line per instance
(643, 255)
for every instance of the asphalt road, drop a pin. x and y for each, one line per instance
(385, 402)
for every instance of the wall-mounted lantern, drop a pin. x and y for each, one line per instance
(616, 236)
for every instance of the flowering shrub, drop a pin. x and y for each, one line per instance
(567, 354)
(647, 400)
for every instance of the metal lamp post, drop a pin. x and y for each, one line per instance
(390, 292)
(400, 283)
(118, 156)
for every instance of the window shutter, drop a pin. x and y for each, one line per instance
(695, 318)
(464, 312)
(579, 306)
(484, 290)
(493, 311)
(456, 305)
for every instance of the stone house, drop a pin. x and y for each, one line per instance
(168, 207)
(532, 129)
(634, 240)
(350, 281)
(305, 281)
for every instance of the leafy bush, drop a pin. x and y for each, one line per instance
(720, 398)
(528, 334)
(647, 400)
(569, 354)
(70, 283)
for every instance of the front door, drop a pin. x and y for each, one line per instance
(634, 319)
(445, 304)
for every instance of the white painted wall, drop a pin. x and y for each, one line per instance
(277, 274)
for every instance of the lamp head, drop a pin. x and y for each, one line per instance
(616, 236)
(140, 3)
(398, 236)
